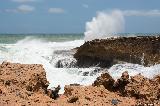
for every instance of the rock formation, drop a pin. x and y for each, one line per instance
(141, 50)
(144, 90)
(23, 84)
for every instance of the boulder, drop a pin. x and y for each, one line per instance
(106, 80)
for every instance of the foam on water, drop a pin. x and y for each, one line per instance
(37, 51)
(133, 69)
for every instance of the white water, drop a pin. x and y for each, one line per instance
(104, 25)
(36, 51)
(31, 51)
(134, 69)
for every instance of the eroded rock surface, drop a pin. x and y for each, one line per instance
(23, 84)
(93, 96)
(104, 53)
(144, 90)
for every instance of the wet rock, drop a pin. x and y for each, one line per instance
(120, 84)
(85, 73)
(55, 92)
(104, 53)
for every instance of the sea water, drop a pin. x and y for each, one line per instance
(50, 49)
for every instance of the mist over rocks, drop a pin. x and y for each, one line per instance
(144, 50)
(104, 25)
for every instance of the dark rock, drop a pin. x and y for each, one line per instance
(75, 84)
(106, 80)
(7, 82)
(54, 92)
(0, 91)
(104, 53)
(72, 99)
(85, 73)
(120, 84)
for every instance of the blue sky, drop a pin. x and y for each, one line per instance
(70, 16)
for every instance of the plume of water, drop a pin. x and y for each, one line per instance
(105, 24)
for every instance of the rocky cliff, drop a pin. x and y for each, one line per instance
(106, 52)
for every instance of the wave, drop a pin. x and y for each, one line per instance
(134, 69)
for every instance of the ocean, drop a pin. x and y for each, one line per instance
(55, 53)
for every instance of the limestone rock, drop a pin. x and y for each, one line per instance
(23, 84)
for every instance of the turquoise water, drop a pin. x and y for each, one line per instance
(14, 38)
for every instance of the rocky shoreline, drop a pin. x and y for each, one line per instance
(23, 85)
(143, 50)
(26, 84)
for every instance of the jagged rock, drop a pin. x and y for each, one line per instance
(106, 52)
(23, 84)
(53, 93)
(106, 80)
(120, 84)
(92, 96)
(147, 90)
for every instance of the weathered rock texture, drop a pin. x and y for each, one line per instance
(144, 90)
(92, 96)
(22, 84)
(141, 50)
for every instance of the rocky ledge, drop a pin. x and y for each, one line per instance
(106, 52)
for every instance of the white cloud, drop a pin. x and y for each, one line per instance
(56, 10)
(85, 5)
(141, 13)
(21, 9)
(25, 8)
(23, 1)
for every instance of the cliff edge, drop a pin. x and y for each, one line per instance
(106, 52)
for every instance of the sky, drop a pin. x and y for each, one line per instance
(70, 16)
